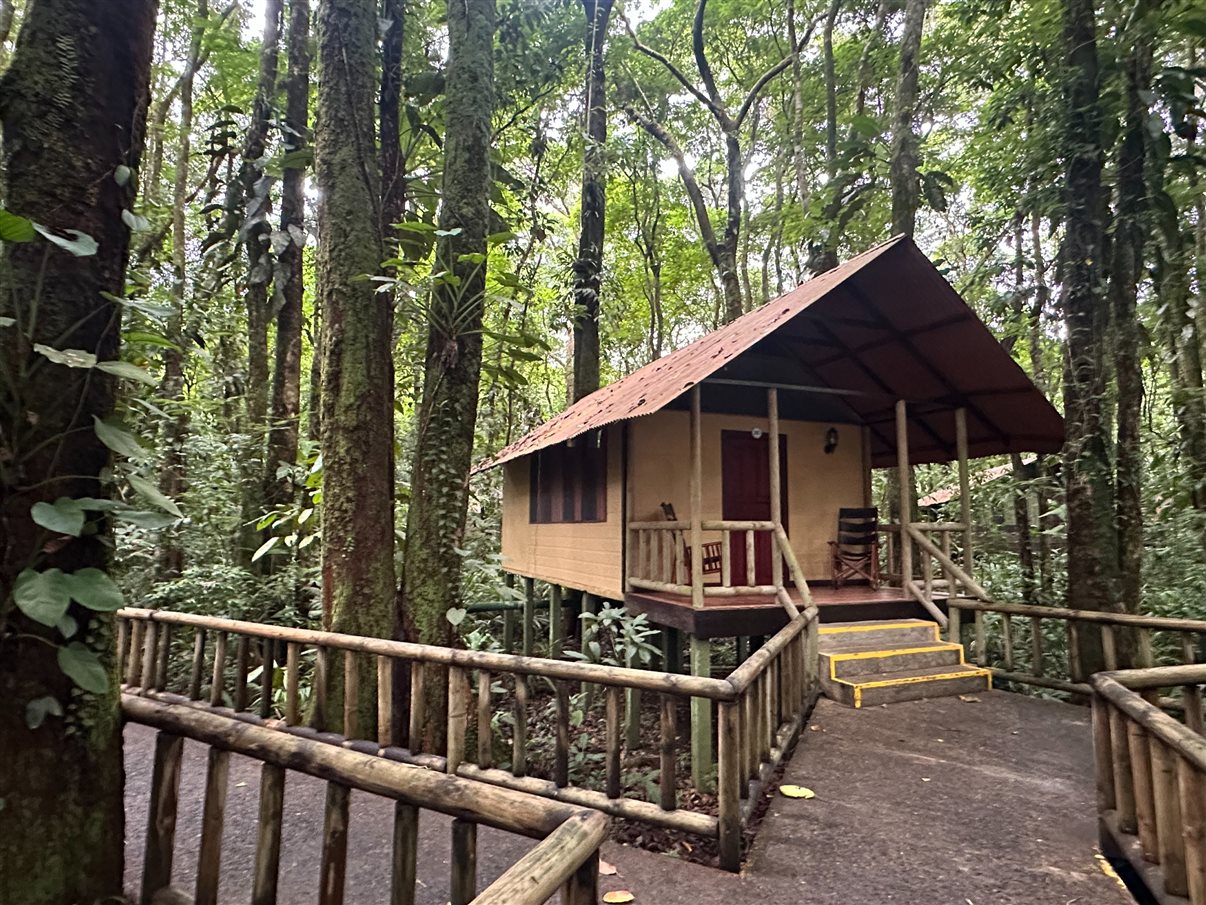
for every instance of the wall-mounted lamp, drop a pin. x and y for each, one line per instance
(831, 440)
(756, 433)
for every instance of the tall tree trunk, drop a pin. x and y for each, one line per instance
(172, 479)
(1038, 373)
(1021, 501)
(448, 412)
(588, 267)
(255, 187)
(1126, 269)
(904, 154)
(73, 111)
(1092, 536)
(289, 287)
(357, 370)
(393, 168)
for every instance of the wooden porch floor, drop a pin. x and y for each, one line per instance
(762, 614)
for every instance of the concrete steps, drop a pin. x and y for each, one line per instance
(869, 663)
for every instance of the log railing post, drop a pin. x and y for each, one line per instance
(334, 864)
(458, 715)
(1103, 755)
(776, 499)
(161, 820)
(1124, 782)
(965, 502)
(1167, 800)
(268, 837)
(905, 502)
(218, 682)
(197, 675)
(405, 860)
(485, 733)
(464, 862)
(667, 780)
(614, 741)
(729, 780)
(209, 858)
(1191, 786)
(519, 740)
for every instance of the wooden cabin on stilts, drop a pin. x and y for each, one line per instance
(721, 489)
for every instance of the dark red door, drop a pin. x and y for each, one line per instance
(745, 469)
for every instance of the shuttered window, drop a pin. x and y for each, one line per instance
(569, 483)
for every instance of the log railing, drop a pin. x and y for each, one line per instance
(274, 676)
(1050, 647)
(565, 859)
(1151, 777)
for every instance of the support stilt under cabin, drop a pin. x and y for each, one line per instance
(726, 488)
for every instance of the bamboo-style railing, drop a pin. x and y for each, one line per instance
(565, 859)
(1017, 641)
(231, 667)
(1151, 777)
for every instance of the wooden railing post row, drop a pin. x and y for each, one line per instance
(458, 715)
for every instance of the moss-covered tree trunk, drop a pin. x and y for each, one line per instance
(1092, 535)
(440, 474)
(358, 585)
(73, 110)
(905, 152)
(588, 267)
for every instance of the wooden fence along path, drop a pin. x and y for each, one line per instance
(226, 666)
(565, 859)
(1151, 776)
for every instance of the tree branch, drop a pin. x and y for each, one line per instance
(765, 78)
(664, 138)
(671, 68)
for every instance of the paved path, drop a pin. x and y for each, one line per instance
(940, 802)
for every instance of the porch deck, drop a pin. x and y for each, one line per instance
(762, 614)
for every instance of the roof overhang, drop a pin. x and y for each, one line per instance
(846, 345)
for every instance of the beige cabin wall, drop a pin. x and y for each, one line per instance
(817, 484)
(586, 556)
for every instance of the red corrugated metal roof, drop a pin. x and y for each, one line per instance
(922, 343)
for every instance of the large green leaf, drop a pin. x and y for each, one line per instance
(63, 516)
(42, 596)
(144, 519)
(83, 667)
(127, 369)
(153, 494)
(79, 244)
(14, 228)
(71, 358)
(95, 590)
(38, 709)
(118, 440)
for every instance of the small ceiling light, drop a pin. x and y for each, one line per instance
(756, 433)
(831, 440)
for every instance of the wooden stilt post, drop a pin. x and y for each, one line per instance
(509, 617)
(529, 615)
(906, 507)
(701, 648)
(701, 718)
(776, 499)
(556, 621)
(965, 512)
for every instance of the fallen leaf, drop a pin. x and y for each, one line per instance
(606, 869)
(791, 791)
(969, 699)
(619, 897)
(814, 728)
(925, 779)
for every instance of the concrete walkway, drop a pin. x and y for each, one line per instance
(944, 802)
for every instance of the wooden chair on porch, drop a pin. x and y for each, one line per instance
(856, 551)
(711, 549)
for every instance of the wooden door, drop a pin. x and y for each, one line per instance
(745, 476)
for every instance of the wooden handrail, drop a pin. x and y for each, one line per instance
(1158, 676)
(947, 563)
(541, 872)
(1167, 623)
(1184, 740)
(743, 676)
(594, 673)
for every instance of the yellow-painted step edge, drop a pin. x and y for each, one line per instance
(873, 627)
(912, 680)
(888, 652)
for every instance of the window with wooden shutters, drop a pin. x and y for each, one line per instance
(569, 482)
